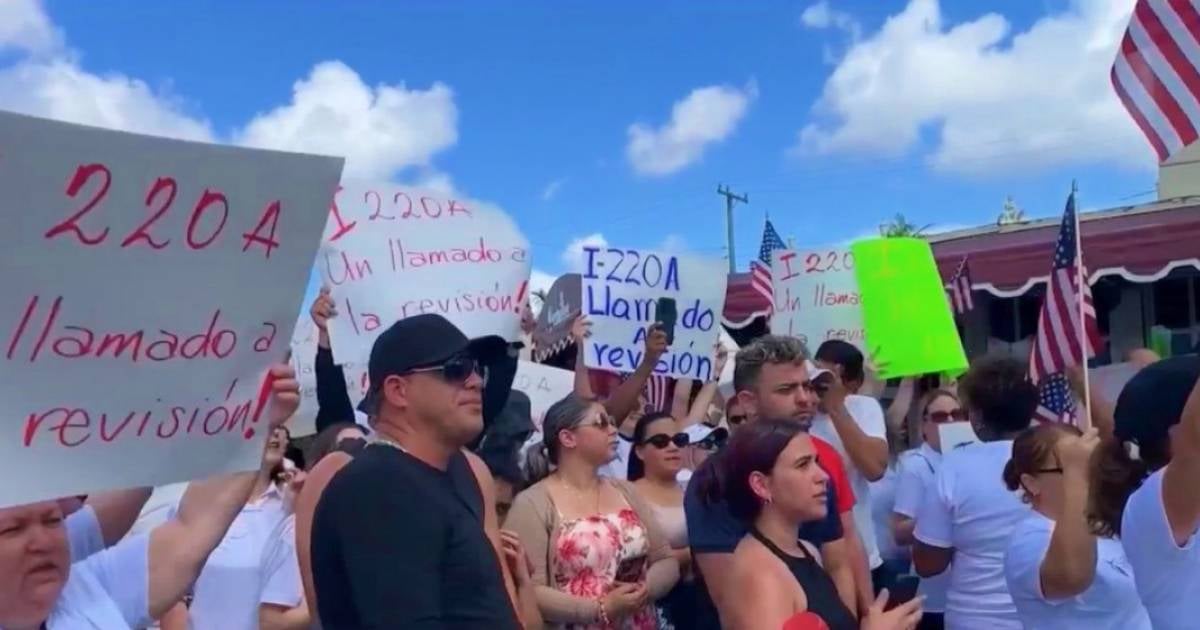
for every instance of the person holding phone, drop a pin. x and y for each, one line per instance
(600, 558)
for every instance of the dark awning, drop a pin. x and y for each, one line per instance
(1140, 244)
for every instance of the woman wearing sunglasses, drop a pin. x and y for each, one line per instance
(917, 470)
(1060, 573)
(658, 456)
(600, 559)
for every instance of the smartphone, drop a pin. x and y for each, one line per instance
(630, 570)
(667, 315)
(902, 591)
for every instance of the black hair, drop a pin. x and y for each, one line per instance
(637, 468)
(563, 415)
(844, 354)
(1000, 396)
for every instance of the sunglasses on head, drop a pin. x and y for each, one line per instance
(662, 440)
(456, 369)
(942, 417)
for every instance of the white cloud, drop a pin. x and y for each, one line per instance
(572, 256)
(552, 189)
(25, 27)
(821, 15)
(995, 100)
(705, 116)
(381, 130)
(673, 244)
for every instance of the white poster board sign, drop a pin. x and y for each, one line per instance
(544, 385)
(304, 354)
(149, 284)
(389, 253)
(954, 434)
(621, 288)
(816, 296)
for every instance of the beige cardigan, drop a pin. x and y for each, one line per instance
(534, 518)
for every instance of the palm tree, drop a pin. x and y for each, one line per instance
(540, 295)
(900, 227)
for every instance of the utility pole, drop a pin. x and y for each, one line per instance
(730, 198)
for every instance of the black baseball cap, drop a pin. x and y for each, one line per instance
(1152, 401)
(422, 341)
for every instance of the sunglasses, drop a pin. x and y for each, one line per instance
(711, 443)
(662, 440)
(604, 423)
(942, 417)
(457, 369)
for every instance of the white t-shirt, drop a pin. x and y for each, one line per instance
(281, 583)
(109, 590)
(83, 534)
(226, 595)
(869, 416)
(1110, 602)
(1167, 575)
(883, 500)
(971, 511)
(159, 508)
(916, 477)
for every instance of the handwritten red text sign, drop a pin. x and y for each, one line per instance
(816, 295)
(391, 252)
(149, 283)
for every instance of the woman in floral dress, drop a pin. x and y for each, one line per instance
(599, 557)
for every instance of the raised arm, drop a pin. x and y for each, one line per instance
(624, 398)
(180, 547)
(333, 400)
(867, 453)
(1180, 499)
(704, 398)
(1070, 563)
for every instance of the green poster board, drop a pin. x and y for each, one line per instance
(906, 314)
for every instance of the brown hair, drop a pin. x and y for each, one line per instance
(932, 395)
(1031, 450)
(1116, 475)
(754, 448)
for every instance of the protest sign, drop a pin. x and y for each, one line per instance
(304, 355)
(553, 330)
(621, 288)
(392, 252)
(150, 283)
(909, 327)
(816, 296)
(955, 434)
(544, 385)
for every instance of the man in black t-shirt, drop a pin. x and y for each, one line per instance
(398, 535)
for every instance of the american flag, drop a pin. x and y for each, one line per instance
(655, 393)
(959, 289)
(760, 270)
(1155, 74)
(1060, 343)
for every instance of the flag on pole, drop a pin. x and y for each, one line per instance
(1155, 73)
(760, 270)
(959, 289)
(1062, 340)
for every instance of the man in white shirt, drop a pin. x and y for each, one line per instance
(854, 425)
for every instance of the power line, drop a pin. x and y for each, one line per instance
(730, 197)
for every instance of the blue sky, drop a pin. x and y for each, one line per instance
(832, 116)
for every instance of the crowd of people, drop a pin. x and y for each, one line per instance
(813, 497)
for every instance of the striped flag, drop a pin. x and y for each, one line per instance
(959, 289)
(656, 393)
(1061, 342)
(1155, 74)
(760, 270)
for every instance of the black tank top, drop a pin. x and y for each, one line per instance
(823, 598)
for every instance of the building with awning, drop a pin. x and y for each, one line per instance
(1143, 264)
